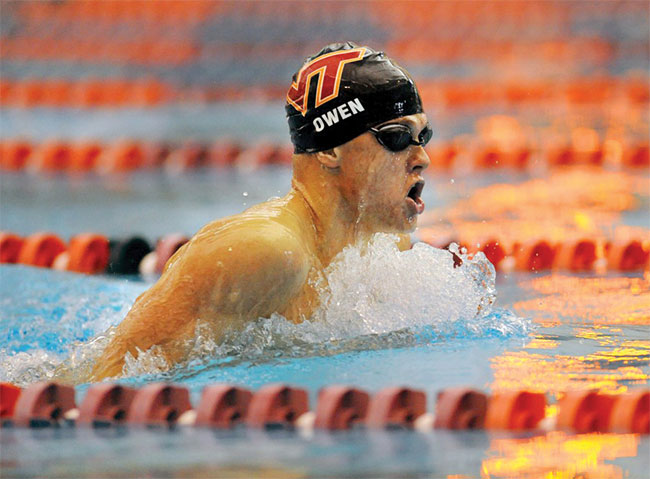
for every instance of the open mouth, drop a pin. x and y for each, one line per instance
(414, 194)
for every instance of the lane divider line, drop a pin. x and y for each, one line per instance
(340, 407)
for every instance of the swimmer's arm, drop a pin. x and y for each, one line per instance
(223, 280)
(159, 316)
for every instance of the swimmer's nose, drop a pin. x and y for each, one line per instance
(419, 160)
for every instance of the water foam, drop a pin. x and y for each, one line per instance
(371, 296)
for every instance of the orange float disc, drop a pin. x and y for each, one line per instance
(51, 157)
(637, 156)
(627, 256)
(88, 253)
(576, 256)
(534, 256)
(631, 412)
(41, 249)
(584, 411)
(85, 157)
(14, 155)
(515, 410)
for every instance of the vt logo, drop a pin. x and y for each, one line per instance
(329, 68)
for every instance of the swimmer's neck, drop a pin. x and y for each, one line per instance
(336, 223)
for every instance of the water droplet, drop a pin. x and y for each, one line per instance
(245, 193)
(452, 181)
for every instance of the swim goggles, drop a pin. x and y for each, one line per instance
(397, 137)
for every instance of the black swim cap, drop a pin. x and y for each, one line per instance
(344, 90)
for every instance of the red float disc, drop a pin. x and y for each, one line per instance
(8, 397)
(223, 406)
(395, 407)
(341, 407)
(105, 404)
(10, 245)
(277, 405)
(460, 408)
(43, 404)
(159, 404)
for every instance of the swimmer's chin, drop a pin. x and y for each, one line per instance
(412, 219)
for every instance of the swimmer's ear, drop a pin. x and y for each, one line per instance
(329, 159)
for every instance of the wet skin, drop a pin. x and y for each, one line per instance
(266, 259)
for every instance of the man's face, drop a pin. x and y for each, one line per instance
(385, 185)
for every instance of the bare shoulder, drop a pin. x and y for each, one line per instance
(243, 239)
(245, 264)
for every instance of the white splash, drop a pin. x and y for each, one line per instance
(372, 297)
(378, 289)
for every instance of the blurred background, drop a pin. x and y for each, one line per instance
(134, 119)
(78, 77)
(103, 101)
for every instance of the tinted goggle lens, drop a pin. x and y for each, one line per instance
(398, 137)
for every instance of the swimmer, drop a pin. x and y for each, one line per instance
(358, 130)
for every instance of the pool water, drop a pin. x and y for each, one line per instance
(280, 454)
(552, 332)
